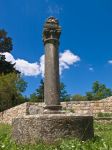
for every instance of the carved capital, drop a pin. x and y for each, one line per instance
(51, 31)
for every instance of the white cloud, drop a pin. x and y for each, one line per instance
(110, 61)
(91, 69)
(42, 60)
(9, 57)
(66, 59)
(26, 68)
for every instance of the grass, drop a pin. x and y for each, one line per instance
(102, 141)
(100, 114)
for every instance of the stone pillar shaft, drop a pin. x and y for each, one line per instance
(51, 34)
(51, 86)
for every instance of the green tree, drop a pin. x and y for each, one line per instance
(11, 87)
(64, 96)
(5, 46)
(78, 97)
(5, 42)
(11, 83)
(99, 91)
(6, 67)
(89, 96)
(38, 95)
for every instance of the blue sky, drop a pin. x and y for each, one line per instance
(86, 32)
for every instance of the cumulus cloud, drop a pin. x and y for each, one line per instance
(26, 68)
(66, 59)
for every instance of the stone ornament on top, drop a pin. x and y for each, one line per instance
(51, 30)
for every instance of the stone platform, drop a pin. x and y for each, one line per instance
(48, 128)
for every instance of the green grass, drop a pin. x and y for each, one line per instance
(102, 141)
(100, 114)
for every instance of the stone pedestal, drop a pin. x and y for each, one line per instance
(49, 128)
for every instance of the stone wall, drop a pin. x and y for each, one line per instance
(18, 111)
(78, 107)
(90, 107)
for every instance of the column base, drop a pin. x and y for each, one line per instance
(53, 109)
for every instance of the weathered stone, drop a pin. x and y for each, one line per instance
(18, 111)
(51, 127)
(51, 34)
(35, 108)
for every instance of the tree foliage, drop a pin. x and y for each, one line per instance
(6, 67)
(5, 46)
(64, 96)
(78, 97)
(5, 42)
(11, 83)
(99, 91)
(11, 87)
(38, 95)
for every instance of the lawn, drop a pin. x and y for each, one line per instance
(102, 141)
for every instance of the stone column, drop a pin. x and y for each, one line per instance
(51, 34)
(52, 125)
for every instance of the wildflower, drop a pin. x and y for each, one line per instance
(3, 146)
(72, 146)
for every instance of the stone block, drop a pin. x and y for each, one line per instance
(49, 128)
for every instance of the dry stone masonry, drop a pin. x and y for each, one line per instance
(78, 107)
